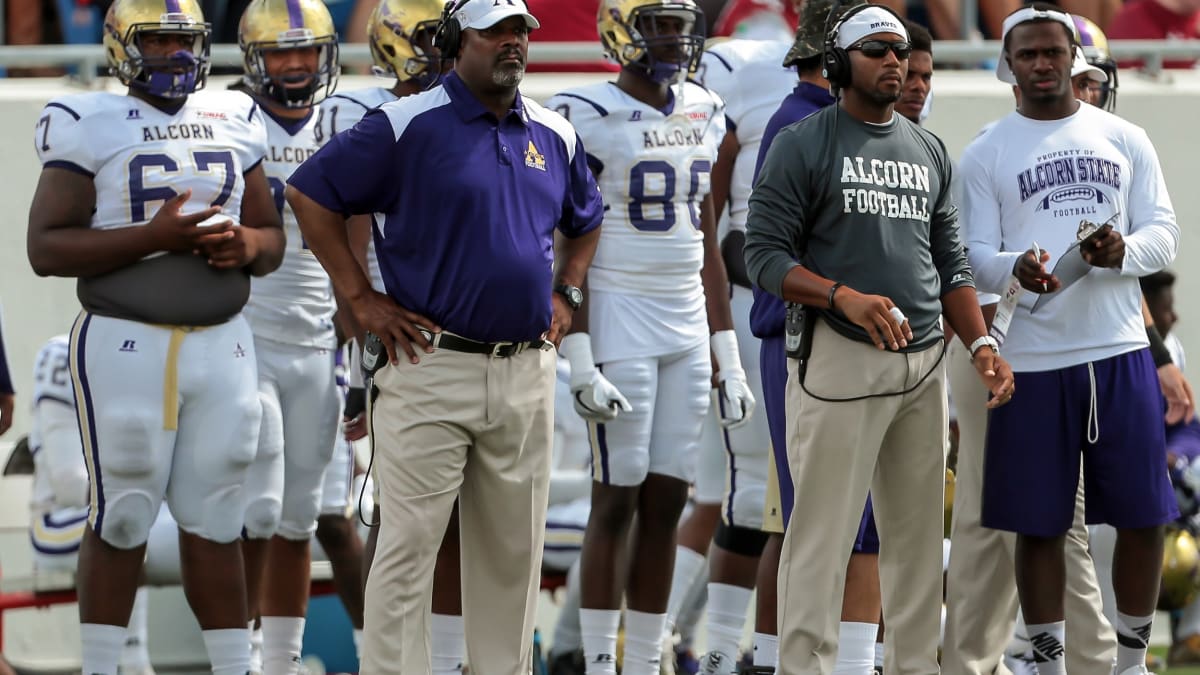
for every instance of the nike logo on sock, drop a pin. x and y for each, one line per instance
(1046, 647)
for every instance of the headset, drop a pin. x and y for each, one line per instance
(836, 60)
(447, 39)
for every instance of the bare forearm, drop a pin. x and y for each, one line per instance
(270, 245)
(961, 309)
(84, 252)
(716, 291)
(324, 232)
(574, 257)
(802, 286)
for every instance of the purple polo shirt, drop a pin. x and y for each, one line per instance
(464, 205)
(768, 313)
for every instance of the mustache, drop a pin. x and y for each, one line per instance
(511, 53)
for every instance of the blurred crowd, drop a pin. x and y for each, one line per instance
(30, 22)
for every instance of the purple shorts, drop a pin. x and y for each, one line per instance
(772, 362)
(1035, 444)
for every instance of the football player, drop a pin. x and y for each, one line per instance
(658, 289)
(167, 214)
(289, 50)
(59, 508)
(749, 76)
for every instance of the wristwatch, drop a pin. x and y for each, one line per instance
(573, 295)
(981, 342)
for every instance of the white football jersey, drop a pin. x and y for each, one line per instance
(748, 76)
(340, 112)
(139, 156)
(294, 304)
(53, 396)
(654, 170)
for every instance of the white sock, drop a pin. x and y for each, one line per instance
(256, 648)
(228, 650)
(727, 605)
(1189, 622)
(1047, 640)
(448, 642)
(136, 652)
(856, 648)
(643, 642)
(693, 611)
(688, 566)
(1133, 636)
(102, 646)
(879, 654)
(283, 637)
(358, 643)
(598, 629)
(766, 650)
(566, 629)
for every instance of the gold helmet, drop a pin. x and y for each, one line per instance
(1094, 43)
(1181, 569)
(129, 21)
(278, 25)
(629, 31)
(400, 33)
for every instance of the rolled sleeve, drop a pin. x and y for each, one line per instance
(583, 209)
(776, 217)
(357, 171)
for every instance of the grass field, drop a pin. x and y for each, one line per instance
(1190, 670)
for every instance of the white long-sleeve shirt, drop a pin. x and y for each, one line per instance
(1027, 180)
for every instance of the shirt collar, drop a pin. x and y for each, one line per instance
(816, 94)
(469, 108)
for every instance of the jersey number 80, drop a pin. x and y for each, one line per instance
(639, 200)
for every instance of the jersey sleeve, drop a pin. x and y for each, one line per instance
(585, 116)
(62, 140)
(253, 148)
(337, 114)
(981, 216)
(355, 172)
(778, 205)
(584, 208)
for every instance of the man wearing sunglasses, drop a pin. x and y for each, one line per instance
(861, 197)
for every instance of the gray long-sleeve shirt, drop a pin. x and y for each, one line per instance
(876, 206)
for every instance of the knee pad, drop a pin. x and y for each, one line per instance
(124, 520)
(740, 540)
(263, 517)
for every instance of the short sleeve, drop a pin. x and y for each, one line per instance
(62, 142)
(584, 208)
(254, 146)
(357, 171)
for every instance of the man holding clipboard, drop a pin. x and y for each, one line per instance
(1091, 393)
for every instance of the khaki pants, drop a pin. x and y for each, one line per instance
(481, 429)
(892, 446)
(981, 589)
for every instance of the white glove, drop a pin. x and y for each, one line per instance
(596, 399)
(737, 403)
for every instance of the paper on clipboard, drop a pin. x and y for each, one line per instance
(1070, 268)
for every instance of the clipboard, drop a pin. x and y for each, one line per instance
(1071, 267)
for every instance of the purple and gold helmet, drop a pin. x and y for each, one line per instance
(277, 25)
(173, 76)
(1095, 50)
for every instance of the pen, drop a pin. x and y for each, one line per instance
(1037, 255)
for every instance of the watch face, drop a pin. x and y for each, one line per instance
(575, 296)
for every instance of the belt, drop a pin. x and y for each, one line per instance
(496, 350)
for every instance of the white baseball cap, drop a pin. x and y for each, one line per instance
(481, 14)
(869, 22)
(1081, 66)
(1025, 15)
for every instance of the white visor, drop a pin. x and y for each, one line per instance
(1081, 67)
(869, 22)
(1025, 15)
(481, 14)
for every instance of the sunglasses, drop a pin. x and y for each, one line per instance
(877, 49)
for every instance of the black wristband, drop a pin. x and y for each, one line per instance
(833, 291)
(1158, 348)
(356, 402)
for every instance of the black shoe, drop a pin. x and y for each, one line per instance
(757, 670)
(568, 663)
